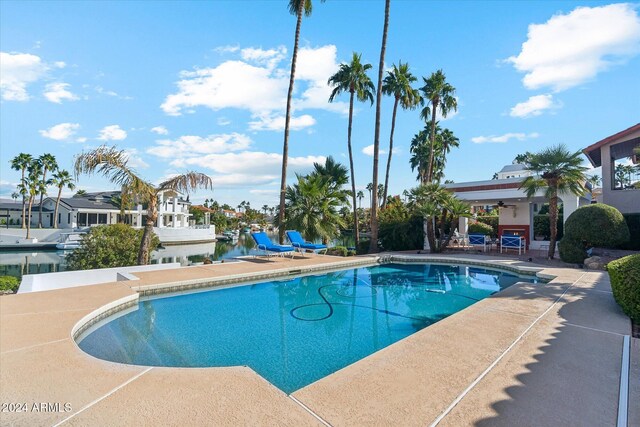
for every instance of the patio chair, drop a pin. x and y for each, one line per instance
(264, 244)
(510, 241)
(301, 245)
(476, 239)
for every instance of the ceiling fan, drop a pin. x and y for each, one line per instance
(501, 204)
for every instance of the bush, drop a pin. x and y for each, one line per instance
(401, 234)
(480, 228)
(338, 251)
(108, 246)
(9, 283)
(597, 225)
(541, 227)
(572, 251)
(363, 246)
(633, 223)
(492, 221)
(625, 284)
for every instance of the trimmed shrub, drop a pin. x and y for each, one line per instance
(541, 227)
(633, 222)
(572, 251)
(9, 283)
(481, 228)
(338, 251)
(401, 234)
(597, 225)
(492, 221)
(363, 246)
(625, 284)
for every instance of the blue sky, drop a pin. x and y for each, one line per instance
(202, 85)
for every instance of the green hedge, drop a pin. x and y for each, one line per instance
(340, 251)
(9, 283)
(492, 221)
(481, 228)
(541, 227)
(572, 251)
(597, 225)
(625, 284)
(633, 222)
(401, 234)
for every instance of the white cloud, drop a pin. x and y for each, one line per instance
(227, 49)
(277, 123)
(504, 138)
(223, 121)
(160, 130)
(248, 167)
(61, 131)
(368, 150)
(196, 146)
(571, 49)
(57, 92)
(17, 70)
(134, 160)
(81, 139)
(103, 91)
(60, 64)
(268, 57)
(534, 106)
(258, 83)
(112, 133)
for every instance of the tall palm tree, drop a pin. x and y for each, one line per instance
(20, 163)
(352, 78)
(297, 8)
(370, 189)
(48, 162)
(398, 84)
(381, 191)
(61, 179)
(360, 196)
(373, 246)
(555, 170)
(33, 186)
(113, 165)
(440, 96)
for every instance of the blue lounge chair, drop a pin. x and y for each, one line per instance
(264, 244)
(510, 241)
(478, 240)
(299, 243)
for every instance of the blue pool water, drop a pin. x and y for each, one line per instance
(297, 331)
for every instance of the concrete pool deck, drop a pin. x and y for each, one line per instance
(533, 354)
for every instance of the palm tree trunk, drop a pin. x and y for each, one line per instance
(386, 177)
(55, 213)
(44, 179)
(373, 247)
(285, 145)
(431, 235)
(553, 223)
(29, 214)
(356, 232)
(145, 243)
(433, 141)
(24, 201)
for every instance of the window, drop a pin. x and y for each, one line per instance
(93, 219)
(69, 218)
(82, 220)
(102, 218)
(59, 218)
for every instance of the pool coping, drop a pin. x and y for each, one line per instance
(113, 305)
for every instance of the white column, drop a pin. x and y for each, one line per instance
(426, 246)
(463, 225)
(570, 204)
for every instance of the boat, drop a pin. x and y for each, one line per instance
(70, 241)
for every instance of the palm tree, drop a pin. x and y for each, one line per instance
(48, 162)
(360, 196)
(381, 191)
(313, 208)
(33, 186)
(405, 195)
(61, 179)
(440, 95)
(556, 170)
(112, 164)
(20, 163)
(373, 247)
(352, 78)
(80, 193)
(298, 8)
(398, 84)
(265, 208)
(370, 188)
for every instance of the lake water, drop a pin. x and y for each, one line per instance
(17, 263)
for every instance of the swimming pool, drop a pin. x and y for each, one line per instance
(296, 331)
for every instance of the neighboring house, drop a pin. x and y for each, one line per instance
(515, 170)
(103, 208)
(11, 213)
(609, 152)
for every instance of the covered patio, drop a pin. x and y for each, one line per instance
(515, 211)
